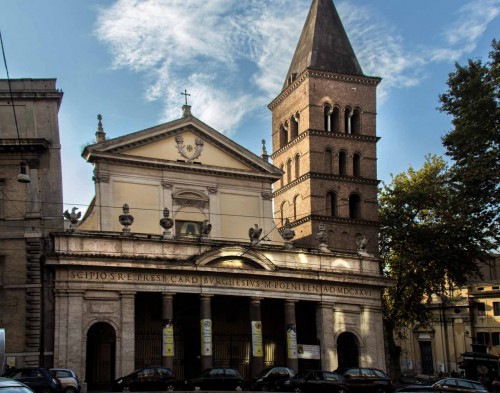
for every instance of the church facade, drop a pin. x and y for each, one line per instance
(181, 259)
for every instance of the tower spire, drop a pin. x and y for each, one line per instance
(323, 44)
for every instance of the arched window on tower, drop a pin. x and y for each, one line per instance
(282, 182)
(329, 161)
(342, 163)
(289, 171)
(331, 204)
(356, 165)
(295, 202)
(297, 166)
(283, 135)
(335, 119)
(354, 207)
(294, 128)
(356, 122)
(282, 213)
(327, 116)
(347, 120)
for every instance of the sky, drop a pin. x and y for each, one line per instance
(129, 60)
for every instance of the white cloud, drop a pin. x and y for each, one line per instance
(233, 56)
(462, 35)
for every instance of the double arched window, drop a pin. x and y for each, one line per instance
(332, 118)
(354, 207)
(331, 208)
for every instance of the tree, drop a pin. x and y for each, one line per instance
(473, 100)
(425, 243)
(438, 223)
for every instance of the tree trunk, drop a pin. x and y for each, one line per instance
(394, 351)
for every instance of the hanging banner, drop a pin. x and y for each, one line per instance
(206, 337)
(257, 339)
(291, 341)
(168, 338)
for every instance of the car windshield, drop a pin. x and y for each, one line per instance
(265, 371)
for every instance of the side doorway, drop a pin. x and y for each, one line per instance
(101, 355)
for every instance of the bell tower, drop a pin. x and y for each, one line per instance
(324, 139)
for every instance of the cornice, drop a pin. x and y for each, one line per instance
(138, 162)
(31, 145)
(336, 220)
(326, 176)
(365, 80)
(328, 134)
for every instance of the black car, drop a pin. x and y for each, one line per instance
(8, 385)
(460, 385)
(217, 379)
(366, 380)
(148, 378)
(313, 381)
(38, 379)
(267, 378)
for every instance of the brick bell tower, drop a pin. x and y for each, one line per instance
(324, 139)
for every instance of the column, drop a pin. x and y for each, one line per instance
(257, 362)
(372, 332)
(168, 350)
(325, 334)
(126, 357)
(291, 335)
(206, 332)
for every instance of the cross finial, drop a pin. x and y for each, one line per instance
(185, 94)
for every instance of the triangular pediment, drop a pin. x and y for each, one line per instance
(185, 143)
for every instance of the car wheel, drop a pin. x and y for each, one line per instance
(46, 390)
(170, 388)
(126, 389)
(70, 390)
(238, 388)
(297, 390)
(342, 390)
(263, 388)
(380, 390)
(197, 389)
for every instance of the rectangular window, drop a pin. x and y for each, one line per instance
(481, 309)
(495, 338)
(483, 338)
(496, 309)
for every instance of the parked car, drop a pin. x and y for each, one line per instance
(267, 378)
(313, 381)
(148, 378)
(38, 379)
(8, 385)
(68, 379)
(460, 385)
(366, 380)
(217, 379)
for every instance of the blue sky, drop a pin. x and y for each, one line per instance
(129, 60)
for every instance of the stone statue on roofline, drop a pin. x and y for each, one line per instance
(322, 238)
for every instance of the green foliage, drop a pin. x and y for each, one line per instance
(473, 100)
(425, 241)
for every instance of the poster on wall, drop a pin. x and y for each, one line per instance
(291, 341)
(206, 337)
(168, 338)
(257, 339)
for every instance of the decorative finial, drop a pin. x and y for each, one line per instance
(126, 220)
(264, 154)
(100, 135)
(166, 223)
(73, 217)
(287, 233)
(186, 109)
(322, 238)
(254, 234)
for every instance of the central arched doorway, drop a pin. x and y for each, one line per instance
(101, 349)
(348, 350)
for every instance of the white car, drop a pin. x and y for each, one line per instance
(68, 378)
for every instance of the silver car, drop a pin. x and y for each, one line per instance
(68, 378)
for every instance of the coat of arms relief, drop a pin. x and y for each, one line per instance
(189, 152)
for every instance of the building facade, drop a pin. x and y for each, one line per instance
(464, 336)
(29, 211)
(180, 262)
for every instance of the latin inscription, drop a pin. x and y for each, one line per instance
(220, 282)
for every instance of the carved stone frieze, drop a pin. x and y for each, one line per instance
(267, 195)
(192, 152)
(167, 185)
(212, 189)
